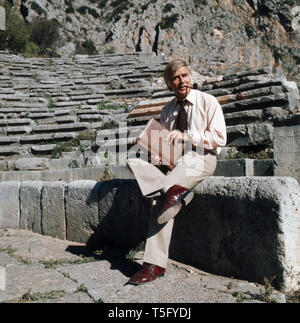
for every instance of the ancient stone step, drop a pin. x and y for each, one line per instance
(120, 131)
(43, 149)
(148, 108)
(231, 83)
(66, 119)
(16, 122)
(259, 115)
(97, 80)
(23, 75)
(18, 130)
(64, 112)
(260, 71)
(143, 92)
(67, 104)
(38, 102)
(4, 78)
(12, 150)
(76, 126)
(91, 118)
(42, 115)
(255, 103)
(250, 135)
(35, 139)
(141, 120)
(87, 97)
(13, 98)
(90, 109)
(222, 96)
(117, 144)
(249, 94)
(118, 137)
(23, 110)
(257, 85)
(8, 140)
(31, 164)
(242, 117)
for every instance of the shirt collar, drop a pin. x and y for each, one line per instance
(191, 97)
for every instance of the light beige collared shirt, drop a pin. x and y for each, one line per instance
(206, 124)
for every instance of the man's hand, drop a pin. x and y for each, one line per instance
(156, 160)
(176, 136)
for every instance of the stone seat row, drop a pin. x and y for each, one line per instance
(259, 91)
(250, 100)
(255, 114)
(84, 68)
(238, 135)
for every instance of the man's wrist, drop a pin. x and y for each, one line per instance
(190, 135)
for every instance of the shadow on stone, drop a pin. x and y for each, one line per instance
(123, 218)
(115, 256)
(223, 235)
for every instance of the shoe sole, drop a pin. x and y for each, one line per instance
(143, 283)
(187, 197)
(174, 210)
(169, 214)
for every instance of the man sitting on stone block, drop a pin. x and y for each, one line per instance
(197, 119)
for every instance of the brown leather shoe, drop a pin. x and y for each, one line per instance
(148, 273)
(176, 196)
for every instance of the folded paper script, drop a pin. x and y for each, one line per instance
(153, 139)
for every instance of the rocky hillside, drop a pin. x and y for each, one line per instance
(212, 35)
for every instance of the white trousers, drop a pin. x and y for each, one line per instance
(189, 171)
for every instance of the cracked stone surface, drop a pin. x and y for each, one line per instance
(43, 269)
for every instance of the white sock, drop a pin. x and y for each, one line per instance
(165, 189)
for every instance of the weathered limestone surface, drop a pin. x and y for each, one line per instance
(30, 206)
(124, 214)
(245, 227)
(287, 147)
(244, 167)
(82, 214)
(53, 209)
(242, 226)
(9, 204)
(32, 164)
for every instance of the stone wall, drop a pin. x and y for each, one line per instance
(245, 227)
(287, 147)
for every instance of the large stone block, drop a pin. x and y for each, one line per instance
(81, 200)
(234, 167)
(287, 147)
(32, 164)
(284, 145)
(250, 135)
(245, 227)
(9, 205)
(53, 209)
(30, 206)
(244, 167)
(263, 167)
(123, 215)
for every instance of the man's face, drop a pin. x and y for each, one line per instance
(181, 83)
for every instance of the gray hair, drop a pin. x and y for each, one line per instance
(171, 68)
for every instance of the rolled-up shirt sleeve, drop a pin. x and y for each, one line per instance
(214, 135)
